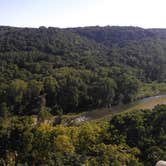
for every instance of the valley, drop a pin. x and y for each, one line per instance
(86, 96)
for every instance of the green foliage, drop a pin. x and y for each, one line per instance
(50, 71)
(70, 90)
(135, 138)
(4, 110)
(77, 69)
(143, 129)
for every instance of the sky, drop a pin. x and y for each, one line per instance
(79, 13)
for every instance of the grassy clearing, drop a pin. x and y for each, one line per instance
(151, 89)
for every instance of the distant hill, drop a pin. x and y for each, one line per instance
(115, 35)
(135, 47)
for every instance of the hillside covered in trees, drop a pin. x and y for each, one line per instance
(46, 72)
(77, 69)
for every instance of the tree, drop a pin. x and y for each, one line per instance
(107, 91)
(51, 89)
(17, 90)
(4, 110)
(63, 144)
(69, 95)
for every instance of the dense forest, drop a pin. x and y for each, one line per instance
(50, 71)
(71, 70)
(132, 139)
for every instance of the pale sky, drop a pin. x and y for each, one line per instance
(74, 13)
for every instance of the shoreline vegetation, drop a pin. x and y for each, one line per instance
(147, 102)
(105, 114)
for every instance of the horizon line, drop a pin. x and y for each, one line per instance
(85, 26)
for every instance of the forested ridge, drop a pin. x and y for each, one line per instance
(77, 69)
(46, 72)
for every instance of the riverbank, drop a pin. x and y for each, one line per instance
(105, 114)
(145, 103)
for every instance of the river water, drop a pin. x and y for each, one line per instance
(145, 103)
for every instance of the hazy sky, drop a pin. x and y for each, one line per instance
(72, 13)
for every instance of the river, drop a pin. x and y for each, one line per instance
(145, 103)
